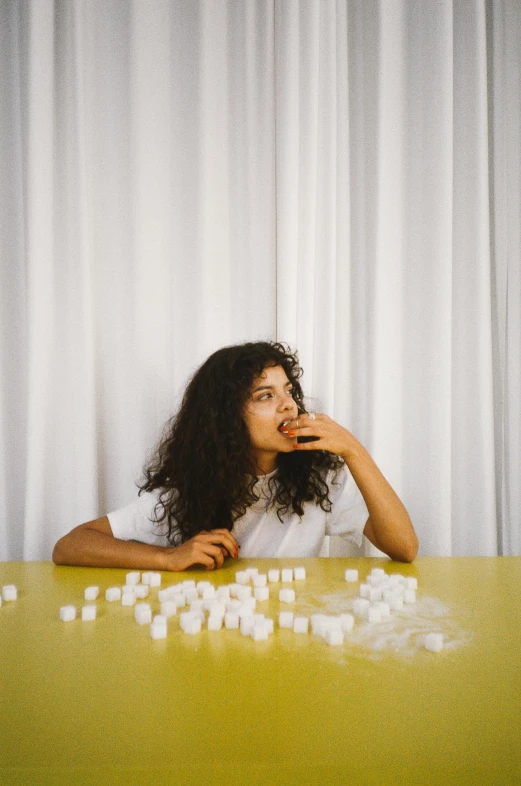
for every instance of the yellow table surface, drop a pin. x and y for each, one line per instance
(102, 703)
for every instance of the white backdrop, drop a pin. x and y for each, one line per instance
(341, 175)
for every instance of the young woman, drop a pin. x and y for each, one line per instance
(230, 475)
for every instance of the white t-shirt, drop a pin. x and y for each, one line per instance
(259, 532)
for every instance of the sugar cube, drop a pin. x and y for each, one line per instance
(300, 625)
(433, 642)
(411, 583)
(91, 593)
(88, 612)
(185, 616)
(112, 594)
(152, 578)
(334, 637)
(259, 632)
(68, 613)
(223, 593)
(396, 603)
(360, 606)
(347, 622)
(273, 575)
(244, 592)
(168, 608)
(378, 572)
(141, 590)
(375, 594)
(215, 608)
(231, 620)
(260, 580)
(409, 596)
(286, 595)
(374, 614)
(251, 572)
(261, 593)
(269, 625)
(318, 624)
(158, 630)
(215, 622)
(286, 619)
(143, 614)
(192, 626)
(128, 598)
(9, 592)
(364, 590)
(321, 623)
(241, 577)
(188, 584)
(132, 579)
(246, 625)
(351, 575)
(287, 574)
(299, 574)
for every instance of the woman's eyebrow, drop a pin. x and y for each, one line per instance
(271, 387)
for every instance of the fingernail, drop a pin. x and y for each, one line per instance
(295, 445)
(291, 433)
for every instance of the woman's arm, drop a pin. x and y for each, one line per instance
(93, 545)
(388, 527)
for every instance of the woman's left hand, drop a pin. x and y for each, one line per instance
(329, 435)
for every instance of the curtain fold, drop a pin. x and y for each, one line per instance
(340, 175)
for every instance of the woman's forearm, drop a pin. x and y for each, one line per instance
(91, 548)
(389, 527)
(93, 545)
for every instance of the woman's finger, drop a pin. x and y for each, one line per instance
(224, 538)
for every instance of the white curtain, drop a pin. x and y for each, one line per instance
(341, 175)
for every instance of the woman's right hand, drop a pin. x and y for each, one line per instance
(205, 548)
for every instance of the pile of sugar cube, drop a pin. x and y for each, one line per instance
(234, 606)
(381, 594)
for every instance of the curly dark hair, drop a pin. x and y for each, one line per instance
(203, 465)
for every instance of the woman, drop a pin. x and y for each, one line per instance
(230, 475)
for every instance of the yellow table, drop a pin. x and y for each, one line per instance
(102, 703)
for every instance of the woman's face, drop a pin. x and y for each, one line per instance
(270, 403)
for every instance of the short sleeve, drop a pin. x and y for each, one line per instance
(137, 521)
(349, 513)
